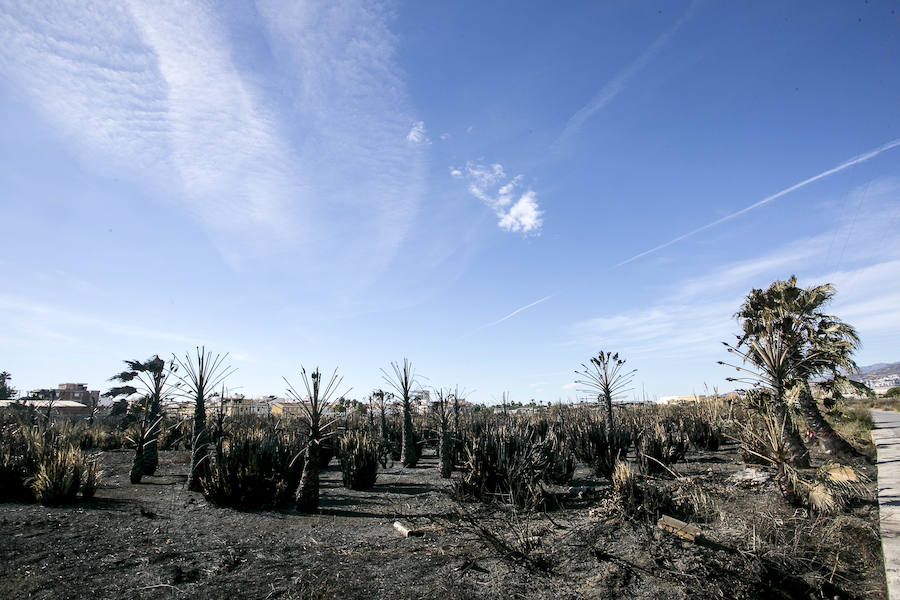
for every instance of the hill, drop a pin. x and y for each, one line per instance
(880, 369)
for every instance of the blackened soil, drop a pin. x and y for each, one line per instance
(158, 540)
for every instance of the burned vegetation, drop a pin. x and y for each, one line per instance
(767, 492)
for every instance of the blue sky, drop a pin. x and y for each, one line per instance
(488, 189)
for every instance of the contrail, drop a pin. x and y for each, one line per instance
(512, 314)
(615, 86)
(853, 161)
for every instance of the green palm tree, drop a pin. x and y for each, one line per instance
(834, 343)
(789, 340)
(775, 364)
(828, 342)
(6, 392)
(152, 377)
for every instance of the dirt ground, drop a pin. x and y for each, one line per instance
(157, 540)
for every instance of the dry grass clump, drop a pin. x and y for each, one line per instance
(91, 477)
(39, 463)
(828, 550)
(20, 458)
(102, 438)
(649, 498)
(58, 477)
(875, 402)
(173, 434)
(855, 425)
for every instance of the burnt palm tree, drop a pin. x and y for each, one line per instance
(200, 375)
(605, 380)
(378, 402)
(316, 404)
(151, 379)
(442, 413)
(404, 381)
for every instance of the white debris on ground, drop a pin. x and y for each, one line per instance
(750, 477)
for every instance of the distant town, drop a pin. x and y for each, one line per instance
(77, 400)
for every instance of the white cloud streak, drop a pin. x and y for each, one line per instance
(845, 165)
(512, 314)
(617, 84)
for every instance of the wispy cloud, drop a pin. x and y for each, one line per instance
(617, 84)
(417, 134)
(698, 313)
(753, 271)
(165, 94)
(662, 330)
(845, 165)
(58, 323)
(516, 210)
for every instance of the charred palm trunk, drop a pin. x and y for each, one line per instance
(455, 441)
(151, 449)
(199, 447)
(408, 456)
(785, 485)
(821, 429)
(137, 465)
(794, 448)
(140, 450)
(446, 449)
(383, 435)
(307, 497)
(609, 417)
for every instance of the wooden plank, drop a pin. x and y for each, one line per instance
(407, 531)
(679, 528)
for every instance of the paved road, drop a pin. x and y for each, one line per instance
(886, 436)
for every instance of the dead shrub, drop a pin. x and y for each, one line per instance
(253, 468)
(509, 462)
(660, 443)
(359, 453)
(594, 445)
